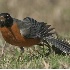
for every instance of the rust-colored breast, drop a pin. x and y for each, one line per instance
(15, 37)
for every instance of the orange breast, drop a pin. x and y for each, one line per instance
(15, 37)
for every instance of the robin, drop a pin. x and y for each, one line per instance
(29, 32)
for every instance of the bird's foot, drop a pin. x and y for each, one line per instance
(20, 56)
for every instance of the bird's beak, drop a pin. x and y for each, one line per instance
(2, 21)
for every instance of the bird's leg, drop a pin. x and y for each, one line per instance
(41, 44)
(43, 48)
(22, 49)
(49, 47)
(21, 52)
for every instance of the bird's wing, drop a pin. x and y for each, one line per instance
(24, 26)
(30, 28)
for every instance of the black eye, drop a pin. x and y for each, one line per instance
(8, 18)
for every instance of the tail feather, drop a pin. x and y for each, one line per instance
(46, 30)
(60, 44)
(47, 26)
(50, 29)
(50, 34)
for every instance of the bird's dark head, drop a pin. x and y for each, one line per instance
(5, 20)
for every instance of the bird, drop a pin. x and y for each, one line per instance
(29, 32)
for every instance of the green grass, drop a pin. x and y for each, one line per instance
(32, 59)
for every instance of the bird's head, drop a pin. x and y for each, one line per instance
(5, 20)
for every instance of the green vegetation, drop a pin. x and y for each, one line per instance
(33, 58)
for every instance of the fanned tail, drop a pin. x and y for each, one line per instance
(64, 46)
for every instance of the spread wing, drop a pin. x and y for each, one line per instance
(30, 28)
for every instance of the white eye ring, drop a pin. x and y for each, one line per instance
(7, 15)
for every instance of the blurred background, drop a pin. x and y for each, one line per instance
(54, 12)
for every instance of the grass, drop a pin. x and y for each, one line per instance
(32, 59)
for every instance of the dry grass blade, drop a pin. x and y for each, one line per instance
(46, 64)
(3, 48)
(63, 65)
(28, 64)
